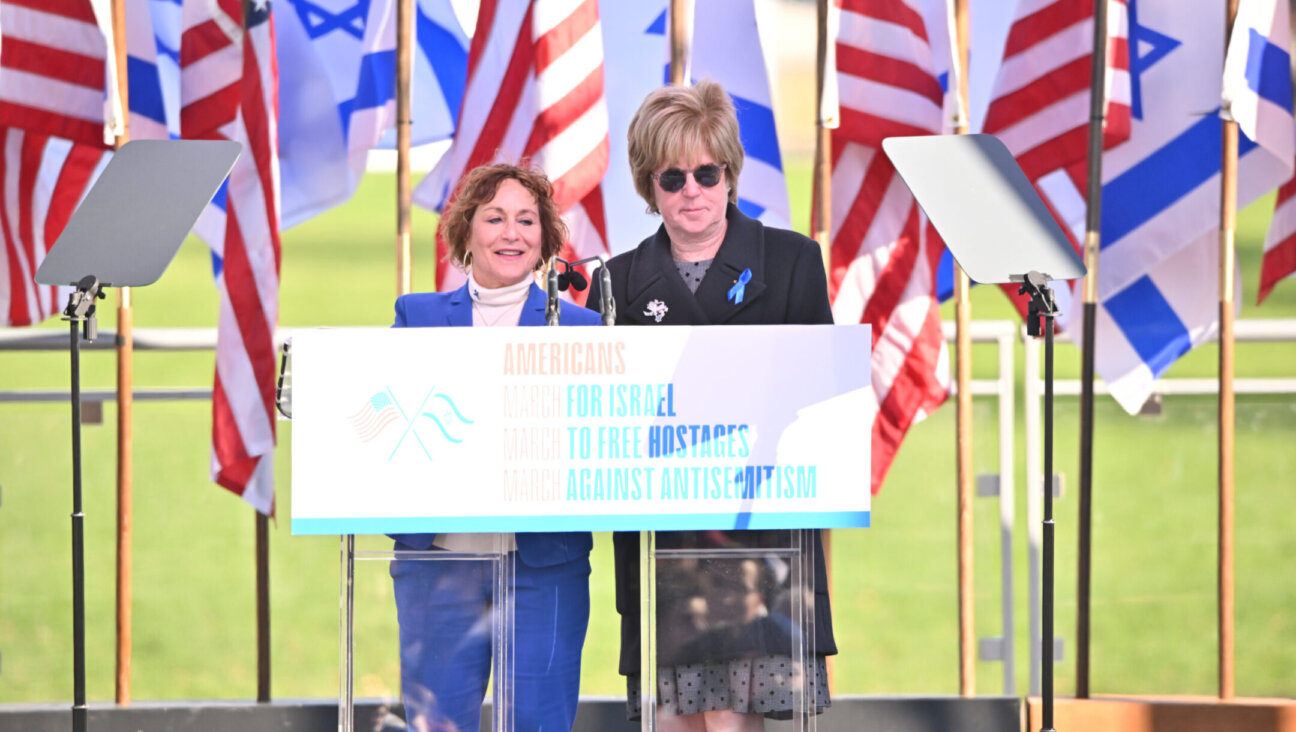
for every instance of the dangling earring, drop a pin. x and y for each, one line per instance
(466, 262)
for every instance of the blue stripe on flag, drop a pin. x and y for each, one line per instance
(1163, 177)
(1268, 70)
(757, 131)
(449, 61)
(1150, 324)
(377, 85)
(945, 277)
(145, 89)
(218, 200)
(751, 208)
(166, 51)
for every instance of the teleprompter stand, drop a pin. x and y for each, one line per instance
(998, 230)
(123, 234)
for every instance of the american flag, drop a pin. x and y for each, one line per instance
(535, 93)
(228, 90)
(1040, 103)
(57, 71)
(1279, 260)
(884, 253)
(373, 417)
(42, 179)
(53, 118)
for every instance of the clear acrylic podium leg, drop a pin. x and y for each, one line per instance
(727, 621)
(456, 610)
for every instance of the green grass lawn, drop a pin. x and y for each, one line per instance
(894, 588)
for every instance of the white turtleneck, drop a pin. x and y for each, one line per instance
(492, 308)
(501, 306)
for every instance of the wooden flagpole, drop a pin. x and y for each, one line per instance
(1093, 224)
(1227, 251)
(261, 533)
(125, 398)
(261, 560)
(678, 40)
(263, 605)
(823, 141)
(963, 404)
(404, 63)
(825, 121)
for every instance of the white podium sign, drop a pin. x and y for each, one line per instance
(580, 429)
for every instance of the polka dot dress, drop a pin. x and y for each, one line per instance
(693, 272)
(761, 685)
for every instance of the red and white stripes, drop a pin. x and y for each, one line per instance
(535, 93)
(42, 179)
(55, 61)
(1279, 260)
(1040, 104)
(53, 119)
(884, 253)
(228, 89)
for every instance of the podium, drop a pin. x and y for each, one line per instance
(718, 481)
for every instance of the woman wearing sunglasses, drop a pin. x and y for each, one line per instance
(723, 660)
(502, 225)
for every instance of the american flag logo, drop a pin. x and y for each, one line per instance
(374, 416)
(439, 410)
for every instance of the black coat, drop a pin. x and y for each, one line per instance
(787, 286)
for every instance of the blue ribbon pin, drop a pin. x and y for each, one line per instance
(736, 292)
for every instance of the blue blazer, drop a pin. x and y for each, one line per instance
(454, 309)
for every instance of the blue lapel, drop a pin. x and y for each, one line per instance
(533, 311)
(460, 312)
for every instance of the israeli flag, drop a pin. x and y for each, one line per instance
(153, 68)
(1257, 76)
(153, 29)
(727, 49)
(1158, 270)
(337, 91)
(632, 32)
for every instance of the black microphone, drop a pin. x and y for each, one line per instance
(574, 279)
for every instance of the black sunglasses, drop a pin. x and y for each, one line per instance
(672, 180)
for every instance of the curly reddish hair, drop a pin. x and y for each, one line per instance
(478, 188)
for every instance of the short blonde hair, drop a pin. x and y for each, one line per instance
(679, 123)
(479, 187)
